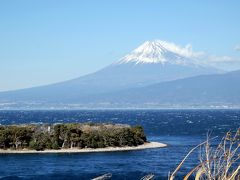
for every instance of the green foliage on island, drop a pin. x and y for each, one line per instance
(72, 135)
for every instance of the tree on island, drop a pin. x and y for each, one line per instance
(71, 135)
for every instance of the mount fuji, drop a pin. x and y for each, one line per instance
(152, 62)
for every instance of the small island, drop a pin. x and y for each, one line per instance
(73, 138)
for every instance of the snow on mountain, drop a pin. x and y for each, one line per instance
(161, 52)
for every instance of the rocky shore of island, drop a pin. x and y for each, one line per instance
(147, 145)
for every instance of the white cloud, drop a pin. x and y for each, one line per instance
(204, 58)
(237, 48)
(186, 51)
(221, 62)
(226, 59)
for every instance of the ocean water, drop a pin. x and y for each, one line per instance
(180, 129)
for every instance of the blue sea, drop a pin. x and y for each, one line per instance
(180, 129)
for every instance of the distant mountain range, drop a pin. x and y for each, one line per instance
(217, 90)
(155, 74)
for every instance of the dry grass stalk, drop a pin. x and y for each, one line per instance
(172, 176)
(220, 163)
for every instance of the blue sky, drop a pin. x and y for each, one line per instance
(44, 41)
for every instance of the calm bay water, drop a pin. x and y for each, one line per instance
(180, 129)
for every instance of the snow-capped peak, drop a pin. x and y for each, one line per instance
(158, 51)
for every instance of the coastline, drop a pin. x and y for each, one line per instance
(148, 145)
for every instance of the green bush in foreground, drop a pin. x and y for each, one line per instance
(72, 135)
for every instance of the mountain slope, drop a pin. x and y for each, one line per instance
(218, 89)
(152, 62)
